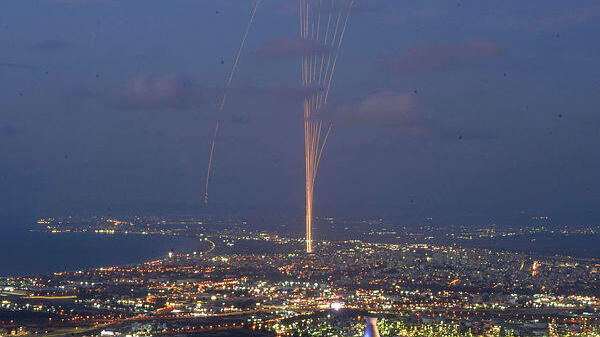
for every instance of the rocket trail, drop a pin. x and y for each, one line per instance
(319, 74)
(225, 94)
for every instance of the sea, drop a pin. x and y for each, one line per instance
(576, 245)
(25, 253)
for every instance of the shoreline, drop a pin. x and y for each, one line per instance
(48, 253)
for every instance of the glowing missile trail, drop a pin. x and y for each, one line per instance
(225, 93)
(319, 74)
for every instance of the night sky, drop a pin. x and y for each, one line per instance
(467, 111)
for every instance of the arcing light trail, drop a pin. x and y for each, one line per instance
(225, 93)
(324, 23)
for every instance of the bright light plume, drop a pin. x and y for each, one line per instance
(337, 306)
(324, 23)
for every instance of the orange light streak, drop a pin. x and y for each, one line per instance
(318, 74)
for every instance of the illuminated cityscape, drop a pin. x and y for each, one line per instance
(263, 281)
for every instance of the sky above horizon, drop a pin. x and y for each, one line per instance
(466, 111)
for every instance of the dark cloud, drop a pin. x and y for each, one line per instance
(428, 58)
(291, 46)
(401, 110)
(162, 92)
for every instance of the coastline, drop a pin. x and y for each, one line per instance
(33, 253)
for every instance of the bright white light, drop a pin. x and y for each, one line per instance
(337, 306)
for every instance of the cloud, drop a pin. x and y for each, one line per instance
(387, 108)
(163, 92)
(429, 58)
(291, 46)
(401, 110)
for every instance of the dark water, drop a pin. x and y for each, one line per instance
(25, 253)
(586, 246)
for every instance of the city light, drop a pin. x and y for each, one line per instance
(337, 306)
